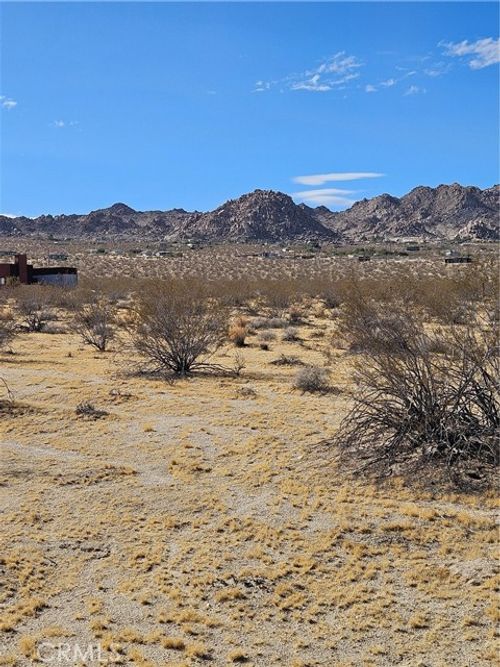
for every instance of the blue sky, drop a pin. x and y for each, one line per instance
(163, 105)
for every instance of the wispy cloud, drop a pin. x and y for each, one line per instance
(415, 90)
(370, 88)
(320, 179)
(333, 73)
(64, 123)
(484, 52)
(437, 69)
(326, 197)
(7, 102)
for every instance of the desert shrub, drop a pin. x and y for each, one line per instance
(290, 335)
(295, 314)
(419, 412)
(96, 324)
(88, 410)
(287, 360)
(8, 329)
(268, 323)
(361, 328)
(238, 331)
(239, 364)
(178, 331)
(35, 307)
(267, 337)
(312, 379)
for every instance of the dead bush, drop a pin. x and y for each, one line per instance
(178, 331)
(418, 412)
(96, 324)
(238, 331)
(312, 379)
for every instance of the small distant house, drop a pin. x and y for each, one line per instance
(27, 274)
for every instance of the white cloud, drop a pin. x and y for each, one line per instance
(415, 90)
(388, 83)
(437, 69)
(370, 89)
(311, 84)
(7, 102)
(340, 63)
(63, 123)
(326, 197)
(261, 86)
(8, 215)
(334, 72)
(485, 52)
(320, 179)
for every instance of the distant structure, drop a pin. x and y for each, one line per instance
(27, 274)
(466, 259)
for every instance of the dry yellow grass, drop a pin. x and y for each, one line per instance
(199, 524)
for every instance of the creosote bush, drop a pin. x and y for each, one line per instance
(178, 330)
(8, 330)
(426, 403)
(96, 324)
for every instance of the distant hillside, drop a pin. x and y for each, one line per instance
(446, 212)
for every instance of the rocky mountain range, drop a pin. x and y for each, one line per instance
(451, 212)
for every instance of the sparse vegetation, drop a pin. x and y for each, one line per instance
(201, 512)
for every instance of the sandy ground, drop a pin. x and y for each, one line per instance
(199, 523)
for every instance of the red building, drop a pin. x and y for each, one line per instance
(26, 274)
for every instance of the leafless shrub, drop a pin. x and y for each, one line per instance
(6, 397)
(177, 332)
(314, 379)
(88, 410)
(239, 364)
(96, 324)
(418, 412)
